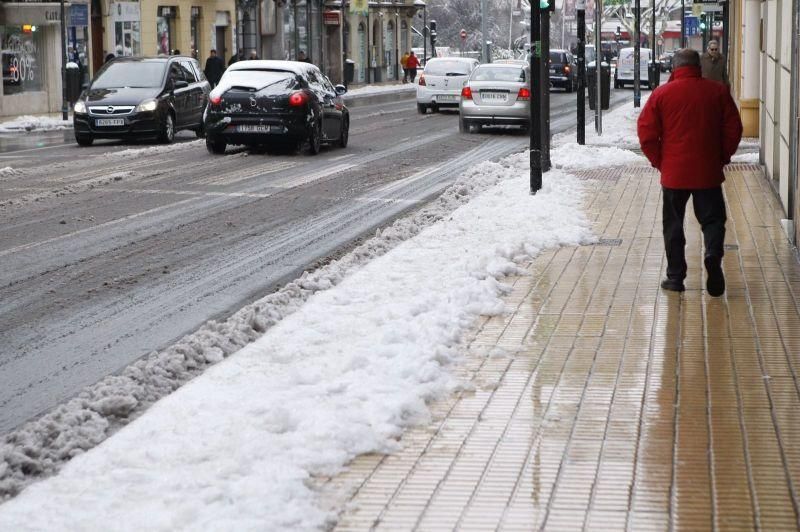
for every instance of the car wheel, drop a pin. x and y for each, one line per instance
(569, 87)
(84, 140)
(463, 126)
(315, 139)
(215, 146)
(345, 133)
(200, 131)
(167, 134)
(422, 108)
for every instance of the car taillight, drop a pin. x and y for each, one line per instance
(466, 93)
(422, 80)
(566, 69)
(524, 94)
(297, 99)
(215, 100)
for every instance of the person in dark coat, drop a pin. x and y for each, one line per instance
(215, 66)
(302, 57)
(689, 129)
(713, 63)
(109, 58)
(236, 57)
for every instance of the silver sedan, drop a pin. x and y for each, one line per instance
(496, 94)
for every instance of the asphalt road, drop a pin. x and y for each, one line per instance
(114, 251)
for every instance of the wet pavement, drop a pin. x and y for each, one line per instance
(605, 403)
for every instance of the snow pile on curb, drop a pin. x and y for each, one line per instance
(41, 447)
(152, 150)
(343, 375)
(7, 171)
(573, 156)
(34, 123)
(752, 157)
(619, 127)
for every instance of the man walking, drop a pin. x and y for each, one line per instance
(412, 63)
(404, 65)
(215, 66)
(713, 64)
(689, 129)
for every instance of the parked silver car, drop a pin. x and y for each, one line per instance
(441, 81)
(496, 94)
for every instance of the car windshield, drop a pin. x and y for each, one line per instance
(447, 68)
(499, 73)
(130, 74)
(272, 81)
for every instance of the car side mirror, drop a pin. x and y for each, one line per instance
(341, 89)
(180, 84)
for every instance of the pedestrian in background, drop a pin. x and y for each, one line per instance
(236, 57)
(713, 63)
(404, 64)
(253, 55)
(215, 66)
(689, 129)
(302, 57)
(412, 63)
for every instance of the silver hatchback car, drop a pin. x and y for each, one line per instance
(496, 94)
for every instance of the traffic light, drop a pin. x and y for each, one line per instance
(547, 5)
(703, 21)
(433, 32)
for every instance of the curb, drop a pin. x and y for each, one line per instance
(381, 97)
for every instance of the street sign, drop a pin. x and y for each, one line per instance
(692, 26)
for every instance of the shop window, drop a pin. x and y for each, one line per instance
(196, 24)
(165, 30)
(127, 31)
(23, 59)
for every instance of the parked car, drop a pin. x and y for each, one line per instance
(260, 102)
(441, 82)
(142, 97)
(665, 61)
(496, 94)
(625, 67)
(563, 70)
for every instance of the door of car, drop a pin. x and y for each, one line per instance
(195, 98)
(331, 116)
(180, 94)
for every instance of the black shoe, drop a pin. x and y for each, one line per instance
(672, 285)
(715, 284)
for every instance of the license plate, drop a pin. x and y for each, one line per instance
(253, 128)
(109, 122)
(554, 71)
(494, 96)
(447, 98)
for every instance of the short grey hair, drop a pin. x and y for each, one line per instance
(685, 57)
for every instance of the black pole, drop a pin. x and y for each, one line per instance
(64, 60)
(637, 82)
(683, 23)
(725, 31)
(425, 33)
(582, 76)
(535, 127)
(545, 33)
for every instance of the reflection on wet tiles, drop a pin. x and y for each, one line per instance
(615, 405)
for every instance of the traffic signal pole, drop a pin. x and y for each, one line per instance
(545, 32)
(535, 126)
(581, 11)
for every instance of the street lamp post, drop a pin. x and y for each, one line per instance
(64, 61)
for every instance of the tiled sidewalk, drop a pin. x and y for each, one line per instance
(605, 403)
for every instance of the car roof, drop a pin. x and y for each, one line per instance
(465, 59)
(156, 59)
(508, 64)
(295, 67)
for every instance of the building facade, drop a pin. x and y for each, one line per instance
(764, 75)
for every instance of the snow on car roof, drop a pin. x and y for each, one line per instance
(296, 67)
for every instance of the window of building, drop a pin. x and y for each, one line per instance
(196, 24)
(165, 30)
(22, 54)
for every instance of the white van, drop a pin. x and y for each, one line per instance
(624, 72)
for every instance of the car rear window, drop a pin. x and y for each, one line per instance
(119, 74)
(447, 68)
(558, 57)
(270, 80)
(499, 73)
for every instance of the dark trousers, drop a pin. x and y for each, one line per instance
(709, 208)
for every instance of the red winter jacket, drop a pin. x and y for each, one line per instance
(412, 62)
(689, 129)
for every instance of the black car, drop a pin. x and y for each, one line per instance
(142, 97)
(263, 102)
(563, 70)
(665, 61)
